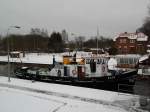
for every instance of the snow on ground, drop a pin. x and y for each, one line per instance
(16, 101)
(13, 101)
(34, 58)
(43, 58)
(26, 96)
(47, 58)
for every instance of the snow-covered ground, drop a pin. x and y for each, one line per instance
(27, 96)
(43, 58)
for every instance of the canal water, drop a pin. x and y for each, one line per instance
(142, 87)
(4, 70)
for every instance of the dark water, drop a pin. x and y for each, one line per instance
(4, 70)
(142, 87)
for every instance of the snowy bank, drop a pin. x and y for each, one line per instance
(43, 58)
(27, 96)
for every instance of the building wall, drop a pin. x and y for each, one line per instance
(126, 45)
(122, 45)
(141, 47)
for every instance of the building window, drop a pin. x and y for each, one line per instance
(122, 40)
(132, 41)
(125, 47)
(140, 49)
(132, 49)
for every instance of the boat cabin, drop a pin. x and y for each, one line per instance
(127, 61)
(85, 67)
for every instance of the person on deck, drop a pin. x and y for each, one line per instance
(112, 66)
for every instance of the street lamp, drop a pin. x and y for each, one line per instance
(8, 49)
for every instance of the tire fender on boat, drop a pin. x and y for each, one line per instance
(74, 72)
(59, 73)
(103, 68)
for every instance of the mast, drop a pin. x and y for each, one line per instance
(97, 39)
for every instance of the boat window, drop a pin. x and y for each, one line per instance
(127, 60)
(131, 61)
(99, 61)
(59, 66)
(65, 71)
(136, 60)
(87, 61)
(93, 66)
(103, 61)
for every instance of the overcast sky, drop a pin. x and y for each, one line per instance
(81, 17)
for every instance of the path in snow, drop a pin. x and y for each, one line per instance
(128, 106)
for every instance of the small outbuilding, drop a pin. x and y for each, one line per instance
(16, 54)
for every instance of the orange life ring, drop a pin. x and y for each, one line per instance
(74, 72)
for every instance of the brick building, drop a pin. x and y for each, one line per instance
(132, 43)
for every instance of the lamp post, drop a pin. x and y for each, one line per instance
(8, 49)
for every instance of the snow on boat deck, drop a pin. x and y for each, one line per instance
(26, 96)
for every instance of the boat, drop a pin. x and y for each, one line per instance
(144, 67)
(128, 61)
(89, 71)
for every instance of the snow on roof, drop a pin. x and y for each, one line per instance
(114, 39)
(125, 34)
(60, 97)
(15, 52)
(148, 51)
(138, 36)
(142, 38)
(24, 67)
(148, 45)
(143, 58)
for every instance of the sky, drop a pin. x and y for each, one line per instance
(80, 17)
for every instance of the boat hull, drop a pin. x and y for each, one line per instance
(105, 82)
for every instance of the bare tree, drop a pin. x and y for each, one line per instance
(37, 31)
(79, 42)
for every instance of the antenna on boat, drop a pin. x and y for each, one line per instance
(97, 39)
